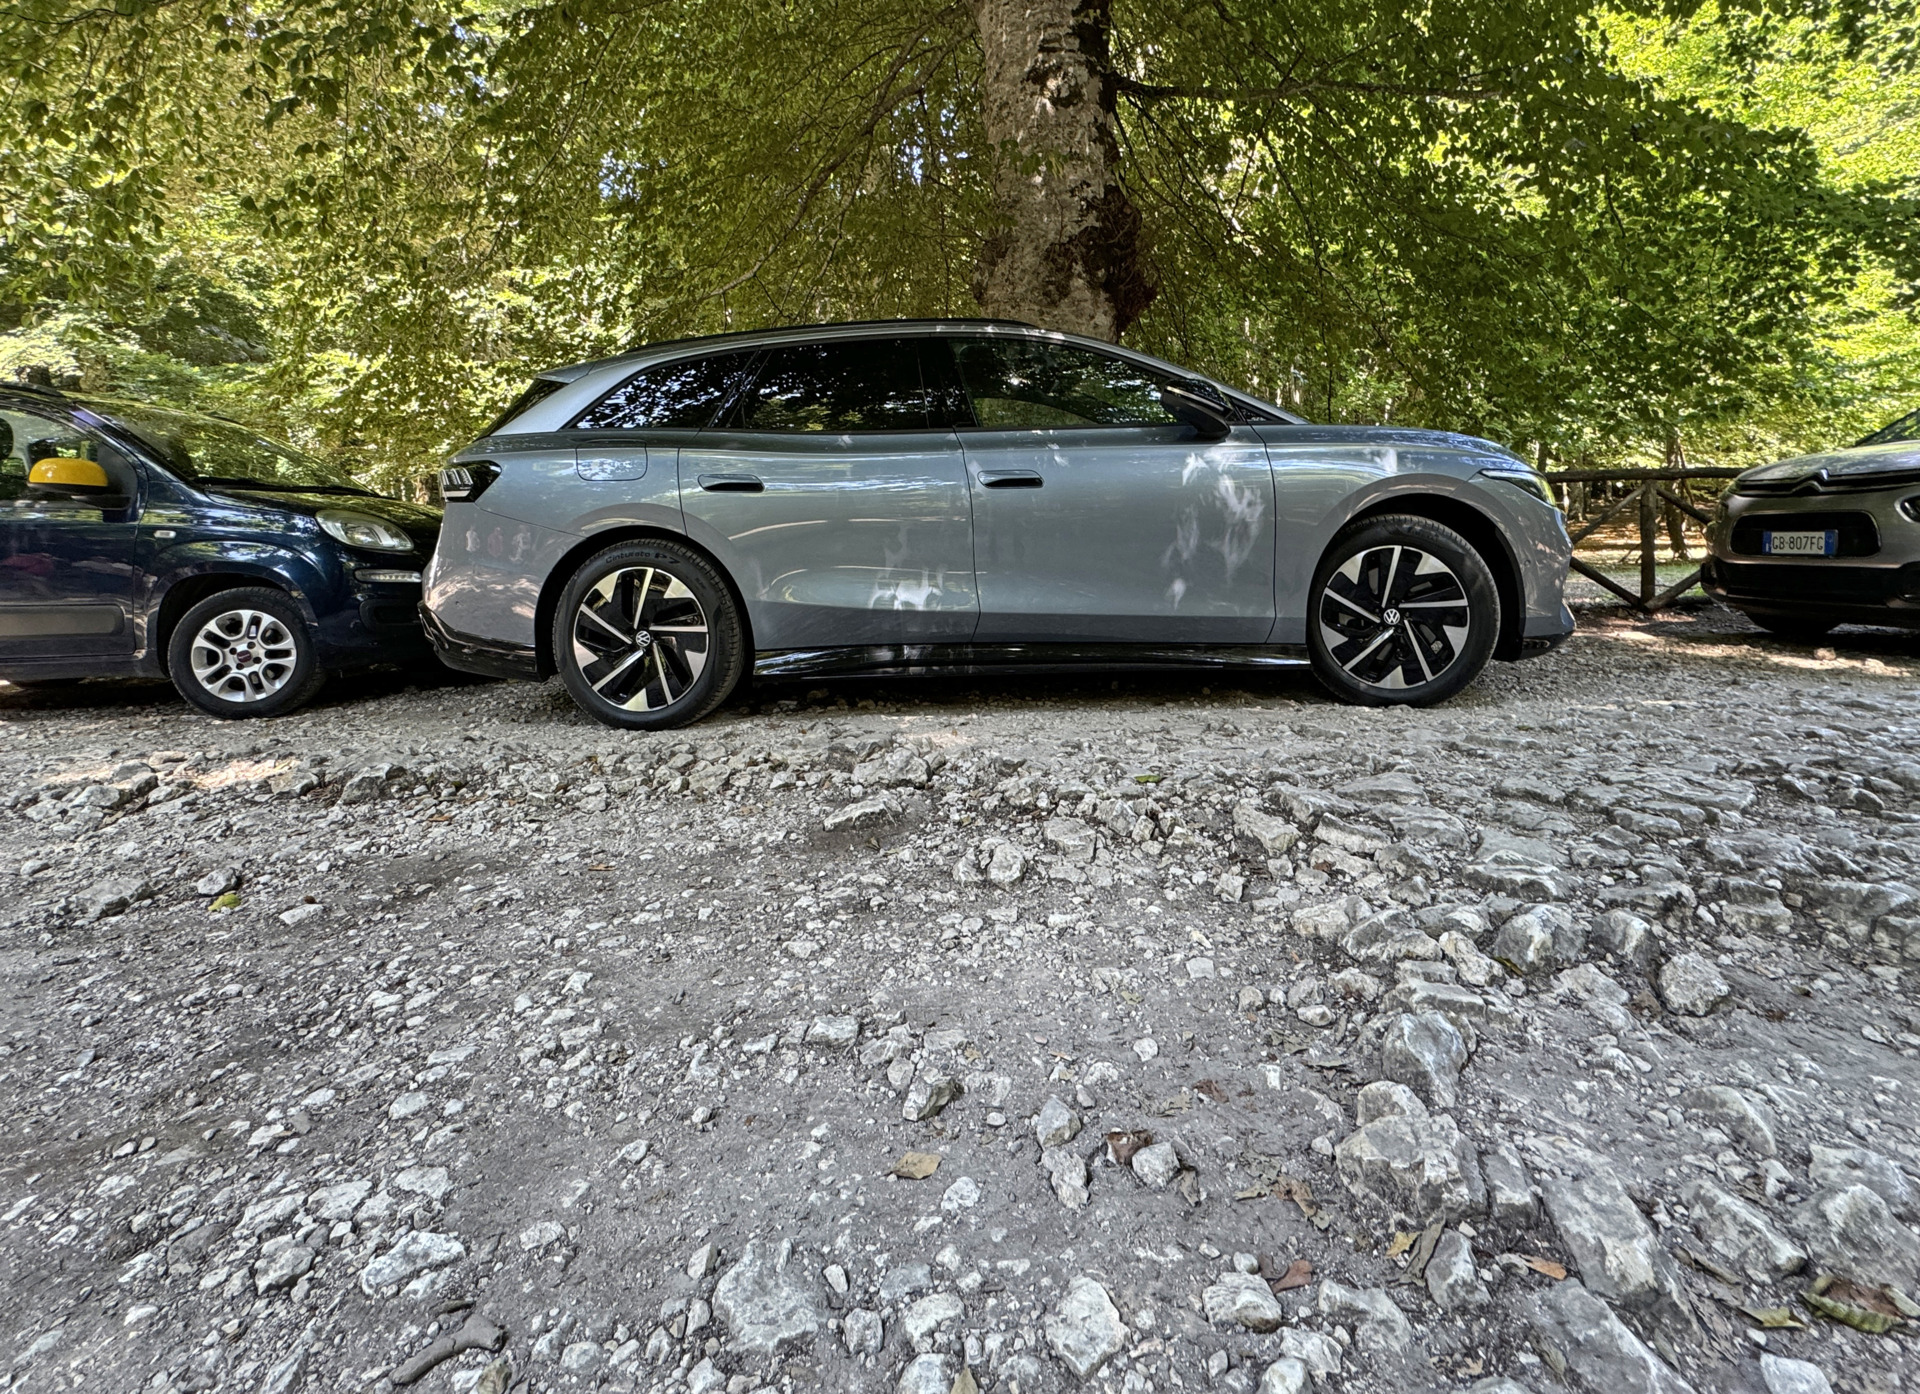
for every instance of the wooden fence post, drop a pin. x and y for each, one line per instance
(1649, 541)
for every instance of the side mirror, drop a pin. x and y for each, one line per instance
(68, 477)
(1191, 408)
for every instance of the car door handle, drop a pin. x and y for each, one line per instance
(1010, 479)
(732, 484)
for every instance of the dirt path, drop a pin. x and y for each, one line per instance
(1557, 1035)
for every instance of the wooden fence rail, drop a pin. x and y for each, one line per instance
(1652, 489)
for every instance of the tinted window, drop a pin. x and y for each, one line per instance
(26, 438)
(868, 386)
(1018, 383)
(684, 394)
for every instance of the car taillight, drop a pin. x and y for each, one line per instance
(465, 483)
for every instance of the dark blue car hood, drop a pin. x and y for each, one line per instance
(419, 521)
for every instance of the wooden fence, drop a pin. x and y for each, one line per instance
(1651, 492)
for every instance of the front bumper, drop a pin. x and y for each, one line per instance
(1874, 578)
(1831, 591)
(488, 657)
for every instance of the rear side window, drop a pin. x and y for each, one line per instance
(537, 391)
(871, 385)
(1022, 384)
(684, 394)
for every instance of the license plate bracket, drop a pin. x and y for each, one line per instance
(1807, 542)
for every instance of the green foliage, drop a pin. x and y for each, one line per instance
(1593, 234)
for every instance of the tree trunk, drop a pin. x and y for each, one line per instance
(1066, 252)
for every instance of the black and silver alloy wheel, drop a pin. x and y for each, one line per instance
(1394, 617)
(245, 652)
(640, 638)
(647, 634)
(1405, 612)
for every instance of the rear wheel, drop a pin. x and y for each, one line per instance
(245, 653)
(1794, 628)
(647, 636)
(1404, 613)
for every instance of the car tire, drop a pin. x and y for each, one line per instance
(1403, 612)
(243, 653)
(1794, 629)
(647, 636)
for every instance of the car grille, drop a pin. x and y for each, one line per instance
(1858, 535)
(1831, 585)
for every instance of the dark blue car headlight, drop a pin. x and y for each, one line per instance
(362, 530)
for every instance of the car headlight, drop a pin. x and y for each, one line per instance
(361, 530)
(1522, 478)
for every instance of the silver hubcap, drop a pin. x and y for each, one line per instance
(1394, 617)
(640, 638)
(244, 655)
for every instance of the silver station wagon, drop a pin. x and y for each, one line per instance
(964, 495)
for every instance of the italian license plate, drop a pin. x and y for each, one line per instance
(1801, 544)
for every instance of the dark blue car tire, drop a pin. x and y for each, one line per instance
(647, 636)
(246, 652)
(1403, 612)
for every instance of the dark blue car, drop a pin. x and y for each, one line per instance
(139, 541)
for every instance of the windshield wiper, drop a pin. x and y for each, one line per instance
(280, 487)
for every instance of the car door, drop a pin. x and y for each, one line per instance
(67, 566)
(1098, 518)
(837, 499)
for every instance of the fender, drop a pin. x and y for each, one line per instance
(284, 569)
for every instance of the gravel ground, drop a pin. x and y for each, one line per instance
(1132, 1034)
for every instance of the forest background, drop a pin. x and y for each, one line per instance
(1600, 234)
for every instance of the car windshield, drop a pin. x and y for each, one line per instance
(206, 451)
(1906, 428)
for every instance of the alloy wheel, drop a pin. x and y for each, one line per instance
(640, 638)
(244, 655)
(1394, 617)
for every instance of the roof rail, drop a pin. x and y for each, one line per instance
(829, 324)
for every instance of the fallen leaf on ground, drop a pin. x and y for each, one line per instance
(917, 1166)
(1123, 1143)
(225, 902)
(1546, 1267)
(1189, 1184)
(1213, 1089)
(1299, 1273)
(1775, 1318)
(964, 1383)
(1251, 1193)
(1859, 1318)
(1401, 1242)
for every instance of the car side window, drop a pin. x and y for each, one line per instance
(868, 385)
(26, 438)
(1017, 384)
(684, 394)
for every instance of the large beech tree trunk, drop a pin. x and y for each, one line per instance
(1066, 252)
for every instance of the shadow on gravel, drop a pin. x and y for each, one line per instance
(154, 697)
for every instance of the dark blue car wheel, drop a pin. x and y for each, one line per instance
(244, 653)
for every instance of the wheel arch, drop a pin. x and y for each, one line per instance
(576, 557)
(1486, 538)
(186, 591)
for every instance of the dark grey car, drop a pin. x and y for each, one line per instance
(964, 495)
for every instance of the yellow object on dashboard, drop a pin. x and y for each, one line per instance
(67, 472)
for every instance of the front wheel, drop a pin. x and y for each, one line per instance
(647, 636)
(244, 653)
(1404, 612)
